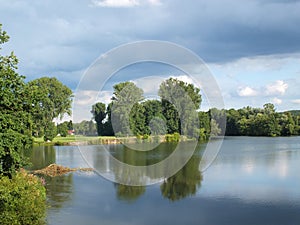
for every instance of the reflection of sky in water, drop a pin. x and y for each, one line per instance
(253, 181)
(257, 171)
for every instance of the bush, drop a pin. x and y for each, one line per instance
(50, 132)
(22, 200)
(11, 145)
(172, 137)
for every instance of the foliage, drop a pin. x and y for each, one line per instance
(15, 122)
(62, 128)
(261, 122)
(204, 125)
(49, 99)
(218, 118)
(168, 115)
(50, 131)
(179, 102)
(137, 119)
(172, 137)
(11, 146)
(214, 128)
(133, 116)
(22, 200)
(86, 128)
(126, 96)
(99, 114)
(155, 122)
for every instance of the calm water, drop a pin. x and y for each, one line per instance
(252, 181)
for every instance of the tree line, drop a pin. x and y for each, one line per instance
(135, 116)
(129, 113)
(261, 122)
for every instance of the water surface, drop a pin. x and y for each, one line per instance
(252, 181)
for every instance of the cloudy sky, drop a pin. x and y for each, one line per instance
(251, 47)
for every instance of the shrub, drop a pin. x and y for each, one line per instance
(22, 200)
(11, 145)
(50, 132)
(172, 137)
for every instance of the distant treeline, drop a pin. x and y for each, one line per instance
(261, 122)
(130, 114)
(156, 117)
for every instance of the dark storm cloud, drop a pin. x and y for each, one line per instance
(60, 38)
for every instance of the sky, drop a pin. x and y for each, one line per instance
(251, 47)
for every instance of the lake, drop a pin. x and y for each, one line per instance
(253, 180)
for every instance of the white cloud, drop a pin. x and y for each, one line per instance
(115, 3)
(279, 87)
(277, 101)
(84, 99)
(247, 92)
(149, 85)
(296, 101)
(184, 78)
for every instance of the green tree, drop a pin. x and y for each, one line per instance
(126, 95)
(15, 123)
(22, 196)
(70, 125)
(154, 117)
(50, 131)
(232, 125)
(87, 128)
(50, 99)
(180, 101)
(254, 121)
(288, 125)
(63, 128)
(99, 114)
(204, 126)
(219, 117)
(137, 119)
(214, 128)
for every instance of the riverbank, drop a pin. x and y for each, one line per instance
(107, 140)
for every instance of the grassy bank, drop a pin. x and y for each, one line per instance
(66, 140)
(86, 140)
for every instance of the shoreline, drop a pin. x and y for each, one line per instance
(109, 140)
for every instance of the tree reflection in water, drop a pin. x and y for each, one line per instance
(185, 182)
(129, 193)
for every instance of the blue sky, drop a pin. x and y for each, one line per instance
(251, 47)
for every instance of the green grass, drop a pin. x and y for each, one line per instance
(71, 138)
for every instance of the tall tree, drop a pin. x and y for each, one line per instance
(99, 114)
(137, 119)
(125, 97)
(50, 99)
(232, 126)
(180, 101)
(15, 123)
(155, 123)
(204, 126)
